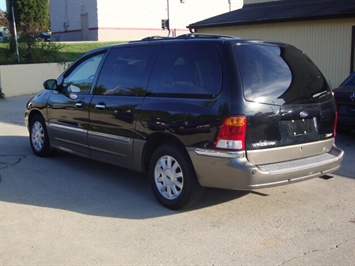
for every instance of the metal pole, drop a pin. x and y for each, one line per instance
(167, 10)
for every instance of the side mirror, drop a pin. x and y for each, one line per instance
(50, 84)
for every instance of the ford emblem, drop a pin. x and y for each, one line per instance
(303, 114)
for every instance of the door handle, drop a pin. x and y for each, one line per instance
(100, 106)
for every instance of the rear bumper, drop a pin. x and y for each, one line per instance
(233, 170)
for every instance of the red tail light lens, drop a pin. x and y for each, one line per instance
(335, 123)
(231, 134)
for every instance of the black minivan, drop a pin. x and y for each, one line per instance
(192, 111)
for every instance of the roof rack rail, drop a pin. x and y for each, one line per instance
(203, 35)
(183, 36)
(152, 38)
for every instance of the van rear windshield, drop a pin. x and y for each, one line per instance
(279, 75)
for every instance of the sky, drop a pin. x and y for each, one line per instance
(3, 5)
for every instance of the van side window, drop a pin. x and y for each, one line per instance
(187, 69)
(126, 71)
(80, 79)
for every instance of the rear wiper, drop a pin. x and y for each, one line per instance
(320, 94)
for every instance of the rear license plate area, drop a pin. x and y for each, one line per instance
(299, 127)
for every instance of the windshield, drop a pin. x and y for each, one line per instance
(279, 75)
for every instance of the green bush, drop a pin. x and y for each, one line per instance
(45, 52)
(41, 52)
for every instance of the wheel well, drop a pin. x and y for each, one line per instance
(31, 115)
(156, 141)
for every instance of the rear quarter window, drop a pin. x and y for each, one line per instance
(279, 75)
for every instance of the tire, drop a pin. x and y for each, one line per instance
(173, 179)
(39, 137)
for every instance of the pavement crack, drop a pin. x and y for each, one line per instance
(314, 251)
(10, 160)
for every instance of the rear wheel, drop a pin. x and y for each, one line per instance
(173, 179)
(39, 138)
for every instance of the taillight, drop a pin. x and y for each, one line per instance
(335, 123)
(231, 134)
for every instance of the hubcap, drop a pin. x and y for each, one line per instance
(37, 136)
(168, 177)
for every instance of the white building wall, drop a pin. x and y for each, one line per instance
(66, 18)
(123, 20)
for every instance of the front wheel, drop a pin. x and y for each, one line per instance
(173, 179)
(39, 138)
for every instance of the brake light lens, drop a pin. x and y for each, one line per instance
(231, 134)
(335, 123)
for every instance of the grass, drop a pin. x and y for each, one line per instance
(68, 52)
(72, 51)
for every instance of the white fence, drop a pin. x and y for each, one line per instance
(16, 80)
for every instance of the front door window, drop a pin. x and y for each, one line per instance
(82, 76)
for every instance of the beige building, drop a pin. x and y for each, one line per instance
(323, 29)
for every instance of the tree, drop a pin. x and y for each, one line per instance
(3, 20)
(32, 17)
